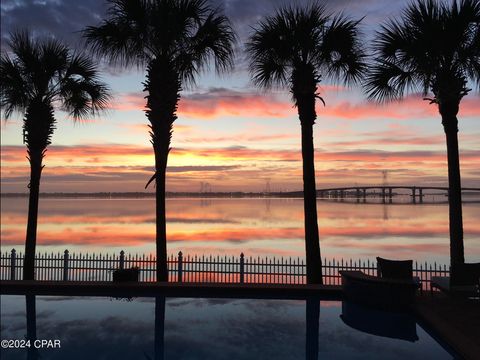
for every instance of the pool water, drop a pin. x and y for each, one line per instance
(196, 328)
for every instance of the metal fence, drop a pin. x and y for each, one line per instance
(217, 269)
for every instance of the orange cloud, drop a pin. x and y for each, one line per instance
(218, 102)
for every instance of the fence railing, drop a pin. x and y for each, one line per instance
(218, 269)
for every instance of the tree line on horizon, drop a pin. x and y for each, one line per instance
(433, 47)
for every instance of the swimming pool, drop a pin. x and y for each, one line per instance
(198, 328)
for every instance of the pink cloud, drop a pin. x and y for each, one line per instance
(223, 102)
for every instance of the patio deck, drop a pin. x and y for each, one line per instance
(455, 320)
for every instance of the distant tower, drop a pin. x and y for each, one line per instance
(208, 187)
(385, 177)
(268, 188)
(385, 183)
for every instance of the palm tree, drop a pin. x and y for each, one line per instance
(295, 49)
(40, 75)
(174, 39)
(434, 47)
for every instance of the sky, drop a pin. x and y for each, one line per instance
(228, 133)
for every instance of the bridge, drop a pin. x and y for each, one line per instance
(385, 192)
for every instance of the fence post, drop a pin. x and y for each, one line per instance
(122, 260)
(65, 265)
(13, 260)
(180, 267)
(242, 268)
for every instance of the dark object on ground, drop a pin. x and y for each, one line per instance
(454, 320)
(385, 293)
(395, 269)
(391, 324)
(122, 275)
(463, 282)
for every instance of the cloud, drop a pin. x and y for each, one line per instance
(412, 107)
(220, 102)
(61, 19)
(182, 169)
(120, 167)
(216, 102)
(245, 137)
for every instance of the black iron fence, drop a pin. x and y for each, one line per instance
(218, 269)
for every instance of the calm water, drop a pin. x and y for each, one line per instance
(256, 227)
(102, 328)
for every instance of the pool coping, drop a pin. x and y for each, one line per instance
(207, 290)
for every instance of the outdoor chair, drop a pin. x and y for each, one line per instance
(394, 286)
(126, 275)
(463, 282)
(394, 269)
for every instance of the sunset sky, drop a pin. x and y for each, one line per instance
(228, 133)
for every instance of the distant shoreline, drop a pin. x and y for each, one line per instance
(151, 195)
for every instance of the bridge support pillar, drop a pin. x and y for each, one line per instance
(383, 195)
(420, 195)
(390, 195)
(414, 195)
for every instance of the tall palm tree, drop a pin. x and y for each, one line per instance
(296, 48)
(434, 48)
(175, 40)
(38, 76)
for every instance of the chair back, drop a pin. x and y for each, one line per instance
(395, 269)
(465, 274)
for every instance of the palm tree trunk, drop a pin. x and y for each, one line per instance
(450, 124)
(312, 245)
(304, 88)
(161, 218)
(163, 86)
(35, 158)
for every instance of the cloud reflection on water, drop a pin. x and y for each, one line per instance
(257, 227)
(100, 328)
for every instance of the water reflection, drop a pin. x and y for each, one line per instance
(159, 328)
(32, 352)
(396, 325)
(312, 318)
(256, 227)
(188, 328)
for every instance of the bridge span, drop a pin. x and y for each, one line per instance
(386, 191)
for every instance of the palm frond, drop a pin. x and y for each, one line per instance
(214, 38)
(341, 52)
(187, 34)
(386, 81)
(433, 45)
(122, 38)
(45, 72)
(82, 91)
(306, 37)
(26, 51)
(14, 92)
